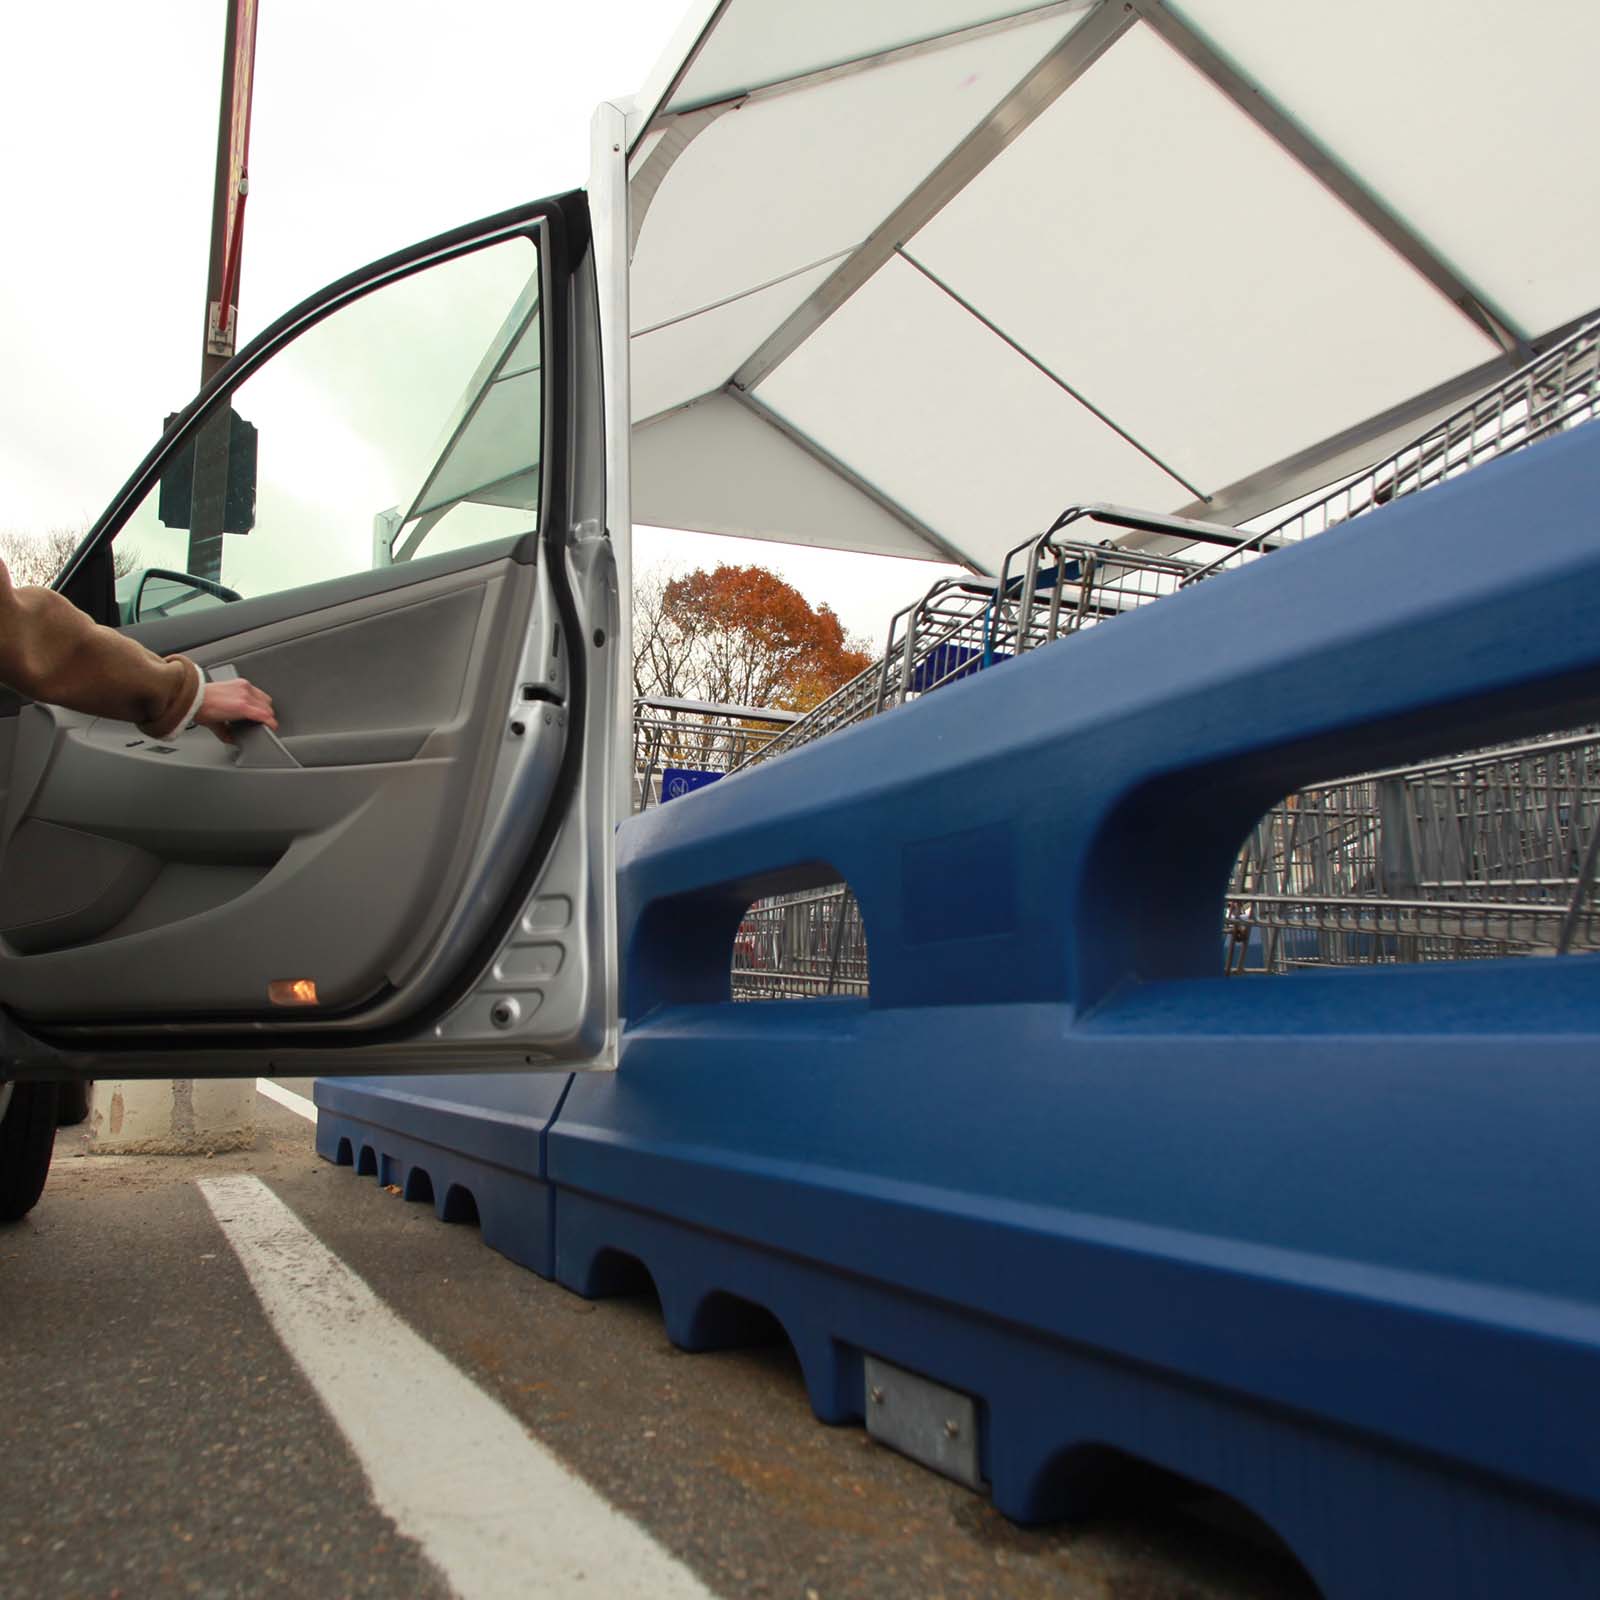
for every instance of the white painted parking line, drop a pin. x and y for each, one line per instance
(296, 1103)
(495, 1511)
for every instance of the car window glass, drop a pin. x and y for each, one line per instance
(406, 422)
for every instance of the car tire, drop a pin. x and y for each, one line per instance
(72, 1103)
(27, 1138)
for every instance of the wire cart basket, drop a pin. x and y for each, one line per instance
(695, 736)
(800, 947)
(1490, 854)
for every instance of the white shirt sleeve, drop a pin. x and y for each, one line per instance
(194, 707)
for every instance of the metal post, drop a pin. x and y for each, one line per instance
(186, 1115)
(386, 527)
(842, 916)
(222, 284)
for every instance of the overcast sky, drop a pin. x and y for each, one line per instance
(376, 123)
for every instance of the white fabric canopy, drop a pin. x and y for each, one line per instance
(910, 276)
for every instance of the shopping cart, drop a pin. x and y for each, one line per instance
(801, 946)
(697, 737)
(1487, 854)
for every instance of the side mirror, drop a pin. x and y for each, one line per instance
(152, 592)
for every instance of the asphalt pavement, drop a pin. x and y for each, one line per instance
(158, 1438)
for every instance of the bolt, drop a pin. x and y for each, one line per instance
(875, 1395)
(518, 729)
(503, 1013)
(953, 1428)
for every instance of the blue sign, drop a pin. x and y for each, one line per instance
(947, 662)
(676, 781)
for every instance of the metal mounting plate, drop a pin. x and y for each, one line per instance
(922, 1419)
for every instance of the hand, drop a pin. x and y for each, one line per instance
(234, 700)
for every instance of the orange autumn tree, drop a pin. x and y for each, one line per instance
(738, 636)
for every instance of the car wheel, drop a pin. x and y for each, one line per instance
(72, 1103)
(27, 1137)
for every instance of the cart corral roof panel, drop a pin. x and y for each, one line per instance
(934, 269)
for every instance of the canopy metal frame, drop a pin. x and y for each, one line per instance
(1006, 121)
(935, 541)
(1103, 24)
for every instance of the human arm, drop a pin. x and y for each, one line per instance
(51, 651)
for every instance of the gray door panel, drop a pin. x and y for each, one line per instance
(145, 878)
(191, 632)
(359, 682)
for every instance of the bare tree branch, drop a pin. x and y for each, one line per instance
(36, 558)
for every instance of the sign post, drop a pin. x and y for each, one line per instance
(184, 1115)
(208, 516)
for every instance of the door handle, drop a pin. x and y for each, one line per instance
(258, 746)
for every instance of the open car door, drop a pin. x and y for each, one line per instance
(417, 872)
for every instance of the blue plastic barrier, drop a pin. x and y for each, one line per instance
(1323, 1242)
(476, 1142)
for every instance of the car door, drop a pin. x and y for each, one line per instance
(389, 512)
